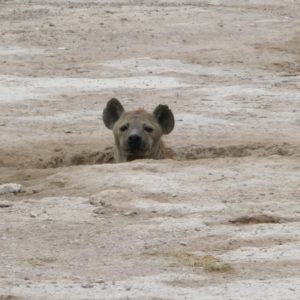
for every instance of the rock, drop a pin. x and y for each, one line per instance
(33, 191)
(99, 211)
(10, 188)
(197, 228)
(100, 281)
(4, 204)
(33, 214)
(130, 213)
(87, 285)
(183, 243)
(96, 201)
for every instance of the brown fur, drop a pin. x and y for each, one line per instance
(138, 125)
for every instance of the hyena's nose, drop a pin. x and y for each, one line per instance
(134, 139)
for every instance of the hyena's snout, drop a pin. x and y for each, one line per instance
(136, 142)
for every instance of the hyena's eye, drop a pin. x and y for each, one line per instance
(148, 128)
(124, 127)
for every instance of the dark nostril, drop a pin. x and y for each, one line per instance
(134, 139)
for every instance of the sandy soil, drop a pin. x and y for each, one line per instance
(219, 221)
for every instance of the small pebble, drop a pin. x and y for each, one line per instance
(183, 243)
(197, 228)
(99, 211)
(96, 201)
(100, 281)
(130, 213)
(33, 191)
(33, 214)
(87, 285)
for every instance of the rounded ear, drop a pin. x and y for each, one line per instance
(112, 112)
(164, 117)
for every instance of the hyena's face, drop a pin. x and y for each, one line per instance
(137, 132)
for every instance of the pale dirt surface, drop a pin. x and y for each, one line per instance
(80, 229)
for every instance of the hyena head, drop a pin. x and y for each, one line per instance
(137, 133)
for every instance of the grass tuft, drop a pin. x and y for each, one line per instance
(209, 263)
(39, 261)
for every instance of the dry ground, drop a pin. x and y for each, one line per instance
(219, 221)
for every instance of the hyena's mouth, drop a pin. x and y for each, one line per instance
(136, 149)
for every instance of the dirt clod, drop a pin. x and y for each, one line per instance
(87, 285)
(257, 219)
(4, 204)
(10, 188)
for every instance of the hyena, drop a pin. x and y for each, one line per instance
(138, 133)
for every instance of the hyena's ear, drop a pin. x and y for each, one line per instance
(164, 117)
(112, 112)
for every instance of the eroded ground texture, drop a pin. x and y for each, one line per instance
(220, 220)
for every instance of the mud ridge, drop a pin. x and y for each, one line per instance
(88, 157)
(257, 219)
(69, 157)
(62, 159)
(259, 150)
